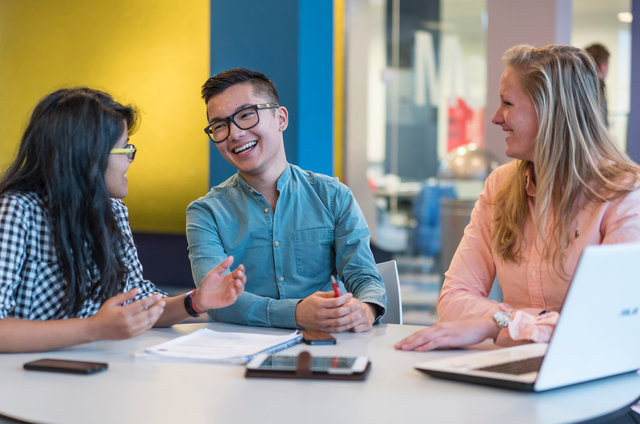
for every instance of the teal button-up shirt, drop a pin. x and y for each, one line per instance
(316, 230)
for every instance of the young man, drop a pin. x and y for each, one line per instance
(292, 229)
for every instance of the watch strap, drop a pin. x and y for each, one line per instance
(188, 305)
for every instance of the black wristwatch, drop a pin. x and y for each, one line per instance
(188, 305)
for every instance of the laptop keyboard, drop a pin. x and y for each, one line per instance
(522, 366)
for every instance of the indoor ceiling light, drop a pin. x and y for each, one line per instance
(625, 17)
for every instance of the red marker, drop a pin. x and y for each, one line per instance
(334, 283)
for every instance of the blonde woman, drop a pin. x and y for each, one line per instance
(569, 187)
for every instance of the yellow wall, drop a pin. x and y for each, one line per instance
(152, 53)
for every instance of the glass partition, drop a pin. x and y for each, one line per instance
(609, 23)
(416, 90)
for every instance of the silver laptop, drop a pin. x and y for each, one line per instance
(597, 335)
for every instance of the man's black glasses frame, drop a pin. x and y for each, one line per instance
(245, 118)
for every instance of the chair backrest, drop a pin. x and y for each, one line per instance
(389, 273)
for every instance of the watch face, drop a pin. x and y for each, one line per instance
(502, 319)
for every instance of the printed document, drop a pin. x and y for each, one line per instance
(224, 347)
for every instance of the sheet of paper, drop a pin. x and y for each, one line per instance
(225, 347)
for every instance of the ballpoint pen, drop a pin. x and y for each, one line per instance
(334, 283)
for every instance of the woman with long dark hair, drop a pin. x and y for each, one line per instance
(69, 270)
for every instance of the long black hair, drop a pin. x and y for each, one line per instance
(63, 157)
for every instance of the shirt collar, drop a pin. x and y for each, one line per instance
(284, 178)
(242, 183)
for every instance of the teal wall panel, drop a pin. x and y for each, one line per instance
(291, 42)
(315, 81)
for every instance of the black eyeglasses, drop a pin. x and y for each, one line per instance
(130, 150)
(246, 118)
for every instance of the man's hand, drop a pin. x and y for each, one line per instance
(368, 316)
(115, 321)
(217, 290)
(450, 334)
(323, 311)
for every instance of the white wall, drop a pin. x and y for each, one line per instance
(512, 22)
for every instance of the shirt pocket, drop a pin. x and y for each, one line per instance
(313, 251)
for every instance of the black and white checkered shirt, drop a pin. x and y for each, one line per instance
(31, 281)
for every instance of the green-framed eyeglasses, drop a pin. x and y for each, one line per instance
(130, 150)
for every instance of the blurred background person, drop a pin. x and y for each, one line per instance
(600, 54)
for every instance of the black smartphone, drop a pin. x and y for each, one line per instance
(313, 337)
(66, 366)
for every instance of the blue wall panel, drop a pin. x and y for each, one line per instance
(260, 35)
(315, 81)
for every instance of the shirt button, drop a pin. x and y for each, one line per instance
(281, 278)
(533, 273)
(266, 210)
(276, 244)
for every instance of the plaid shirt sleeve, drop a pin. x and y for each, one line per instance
(134, 277)
(31, 283)
(13, 240)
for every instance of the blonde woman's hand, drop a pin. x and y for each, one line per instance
(450, 334)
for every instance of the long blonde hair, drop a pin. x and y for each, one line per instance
(575, 158)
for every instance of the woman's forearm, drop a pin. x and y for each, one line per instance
(21, 335)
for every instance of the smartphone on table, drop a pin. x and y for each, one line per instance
(344, 365)
(66, 366)
(313, 337)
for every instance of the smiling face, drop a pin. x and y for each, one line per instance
(115, 177)
(259, 151)
(517, 117)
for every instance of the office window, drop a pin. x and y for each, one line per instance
(609, 23)
(425, 80)
(415, 90)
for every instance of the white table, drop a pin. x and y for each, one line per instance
(135, 390)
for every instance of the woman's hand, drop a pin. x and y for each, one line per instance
(450, 334)
(115, 321)
(217, 290)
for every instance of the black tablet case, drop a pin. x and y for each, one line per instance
(303, 371)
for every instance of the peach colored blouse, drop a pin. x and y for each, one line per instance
(529, 286)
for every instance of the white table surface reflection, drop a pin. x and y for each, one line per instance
(135, 390)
